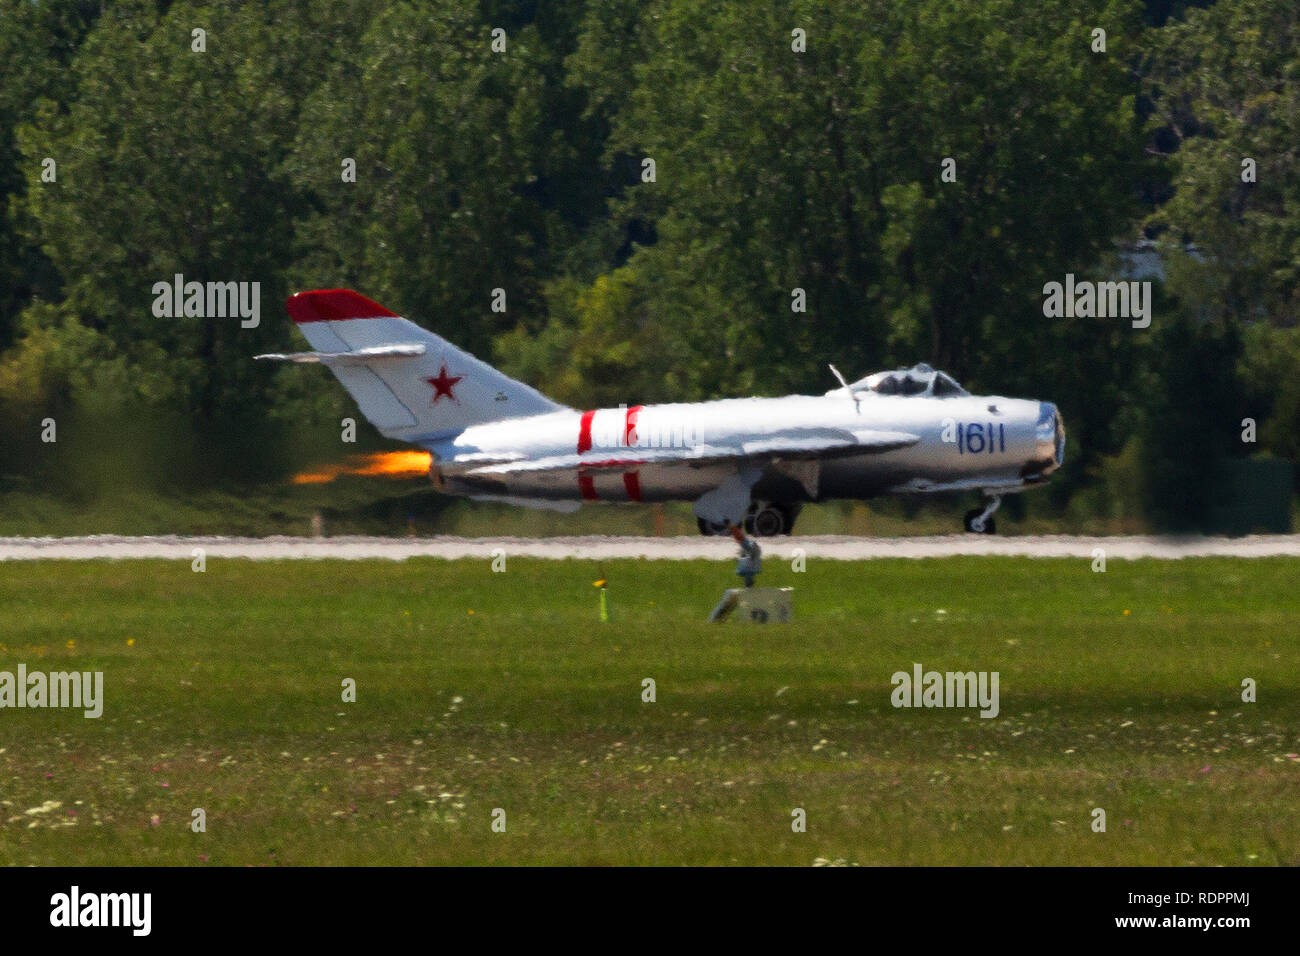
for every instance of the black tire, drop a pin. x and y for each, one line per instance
(791, 516)
(791, 511)
(768, 521)
(990, 526)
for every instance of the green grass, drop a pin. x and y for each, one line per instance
(223, 692)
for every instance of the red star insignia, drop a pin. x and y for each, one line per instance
(442, 385)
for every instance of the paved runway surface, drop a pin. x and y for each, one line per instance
(827, 547)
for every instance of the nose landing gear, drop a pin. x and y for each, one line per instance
(980, 520)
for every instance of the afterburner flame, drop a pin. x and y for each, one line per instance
(394, 464)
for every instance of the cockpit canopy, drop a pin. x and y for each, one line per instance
(918, 380)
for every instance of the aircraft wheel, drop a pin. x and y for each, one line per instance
(767, 520)
(791, 515)
(990, 526)
(710, 529)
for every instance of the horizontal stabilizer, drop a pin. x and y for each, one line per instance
(359, 357)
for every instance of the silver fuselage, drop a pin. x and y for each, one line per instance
(989, 444)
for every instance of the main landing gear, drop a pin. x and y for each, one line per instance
(980, 520)
(766, 519)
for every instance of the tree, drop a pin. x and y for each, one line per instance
(37, 43)
(1225, 84)
(441, 213)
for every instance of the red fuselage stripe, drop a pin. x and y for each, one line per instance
(632, 482)
(584, 432)
(586, 486)
(629, 426)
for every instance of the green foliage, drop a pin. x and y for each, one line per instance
(1269, 368)
(1227, 83)
(434, 221)
(163, 170)
(821, 170)
(37, 42)
(1194, 408)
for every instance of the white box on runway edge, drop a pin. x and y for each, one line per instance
(756, 605)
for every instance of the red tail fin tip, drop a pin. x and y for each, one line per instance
(334, 305)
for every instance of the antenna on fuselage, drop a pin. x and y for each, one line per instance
(852, 394)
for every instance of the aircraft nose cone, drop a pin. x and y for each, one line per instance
(1049, 438)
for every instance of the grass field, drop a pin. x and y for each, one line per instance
(479, 690)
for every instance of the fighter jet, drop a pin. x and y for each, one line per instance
(751, 462)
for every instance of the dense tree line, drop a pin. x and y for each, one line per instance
(680, 200)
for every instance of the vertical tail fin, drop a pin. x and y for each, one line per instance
(411, 384)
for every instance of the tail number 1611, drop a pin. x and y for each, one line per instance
(977, 438)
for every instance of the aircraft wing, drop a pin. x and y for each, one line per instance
(794, 444)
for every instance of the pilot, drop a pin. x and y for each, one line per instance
(751, 556)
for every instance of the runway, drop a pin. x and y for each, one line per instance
(597, 547)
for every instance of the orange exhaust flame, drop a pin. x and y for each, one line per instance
(394, 464)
